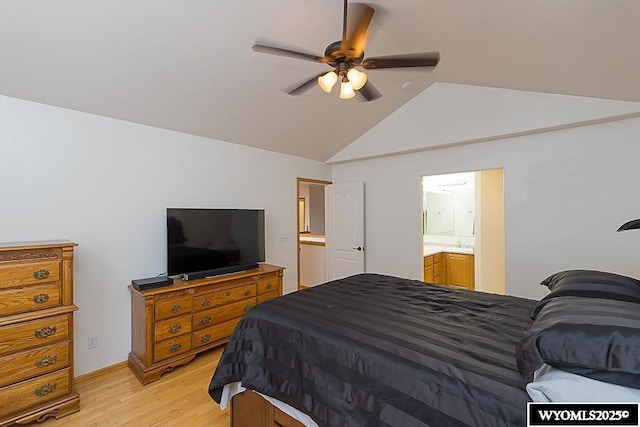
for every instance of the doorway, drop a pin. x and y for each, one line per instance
(311, 232)
(463, 229)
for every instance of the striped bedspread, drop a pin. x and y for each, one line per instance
(374, 350)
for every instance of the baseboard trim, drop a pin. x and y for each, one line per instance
(93, 374)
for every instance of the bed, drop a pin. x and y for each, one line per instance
(377, 350)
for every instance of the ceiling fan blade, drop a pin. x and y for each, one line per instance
(369, 91)
(427, 59)
(304, 86)
(355, 30)
(288, 53)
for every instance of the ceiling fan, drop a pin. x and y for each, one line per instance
(347, 54)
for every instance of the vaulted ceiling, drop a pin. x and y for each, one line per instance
(188, 65)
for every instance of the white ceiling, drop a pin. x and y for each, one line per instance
(188, 65)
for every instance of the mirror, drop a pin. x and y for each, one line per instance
(449, 204)
(311, 208)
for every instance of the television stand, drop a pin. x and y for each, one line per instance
(171, 325)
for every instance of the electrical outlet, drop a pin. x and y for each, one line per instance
(92, 342)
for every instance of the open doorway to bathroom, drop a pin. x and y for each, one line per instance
(311, 232)
(463, 230)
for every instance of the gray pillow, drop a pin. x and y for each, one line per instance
(589, 284)
(593, 337)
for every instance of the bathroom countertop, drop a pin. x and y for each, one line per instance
(314, 238)
(430, 249)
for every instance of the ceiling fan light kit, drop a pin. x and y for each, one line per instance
(327, 81)
(354, 80)
(346, 90)
(344, 55)
(357, 78)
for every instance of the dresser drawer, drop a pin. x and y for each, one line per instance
(29, 298)
(20, 336)
(20, 274)
(223, 285)
(172, 327)
(35, 391)
(269, 284)
(217, 315)
(172, 347)
(226, 296)
(265, 297)
(32, 363)
(172, 305)
(214, 333)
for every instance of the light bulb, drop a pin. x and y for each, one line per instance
(357, 78)
(346, 90)
(327, 81)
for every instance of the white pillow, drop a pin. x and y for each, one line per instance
(554, 385)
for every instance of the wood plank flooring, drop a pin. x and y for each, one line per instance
(114, 397)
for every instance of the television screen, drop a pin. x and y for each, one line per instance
(213, 241)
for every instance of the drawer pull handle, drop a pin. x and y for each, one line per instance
(45, 332)
(248, 307)
(45, 389)
(175, 308)
(46, 361)
(175, 328)
(41, 274)
(205, 338)
(205, 303)
(40, 298)
(175, 348)
(247, 292)
(205, 320)
(269, 286)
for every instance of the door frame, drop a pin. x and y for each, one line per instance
(489, 249)
(299, 181)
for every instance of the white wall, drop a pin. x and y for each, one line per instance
(566, 192)
(450, 114)
(105, 184)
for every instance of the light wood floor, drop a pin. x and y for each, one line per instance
(115, 397)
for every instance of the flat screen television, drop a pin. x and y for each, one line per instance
(208, 242)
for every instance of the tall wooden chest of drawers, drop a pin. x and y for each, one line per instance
(172, 324)
(36, 331)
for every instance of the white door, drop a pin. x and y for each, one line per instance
(344, 234)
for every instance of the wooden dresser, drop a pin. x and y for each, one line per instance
(36, 331)
(172, 324)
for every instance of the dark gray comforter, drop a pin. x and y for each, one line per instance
(374, 350)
